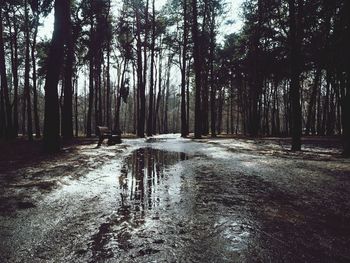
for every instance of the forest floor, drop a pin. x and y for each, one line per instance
(167, 199)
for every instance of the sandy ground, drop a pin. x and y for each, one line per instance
(168, 199)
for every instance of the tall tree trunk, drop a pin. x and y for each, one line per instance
(121, 83)
(319, 117)
(256, 78)
(346, 99)
(67, 116)
(24, 103)
(220, 109)
(294, 56)
(117, 111)
(166, 99)
(231, 107)
(197, 70)
(151, 83)
(14, 68)
(184, 128)
(203, 47)
(108, 104)
(346, 117)
(188, 97)
(135, 99)
(26, 74)
(141, 84)
(76, 108)
(91, 79)
(55, 61)
(2, 114)
(159, 93)
(326, 105)
(212, 84)
(35, 91)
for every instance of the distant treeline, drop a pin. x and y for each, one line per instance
(138, 69)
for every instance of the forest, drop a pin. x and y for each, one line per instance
(141, 70)
(174, 131)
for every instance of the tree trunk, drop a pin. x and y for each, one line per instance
(26, 74)
(345, 118)
(184, 128)
(346, 100)
(55, 61)
(212, 84)
(159, 93)
(166, 98)
(151, 83)
(294, 56)
(197, 70)
(14, 68)
(108, 104)
(140, 82)
(76, 108)
(188, 96)
(220, 109)
(135, 99)
(91, 79)
(67, 116)
(35, 92)
(2, 114)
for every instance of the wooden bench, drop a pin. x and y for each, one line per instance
(105, 133)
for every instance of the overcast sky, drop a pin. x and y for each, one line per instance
(233, 13)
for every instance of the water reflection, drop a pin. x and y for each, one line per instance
(141, 175)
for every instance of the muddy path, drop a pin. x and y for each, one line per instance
(168, 199)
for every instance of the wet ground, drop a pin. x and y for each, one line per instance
(168, 199)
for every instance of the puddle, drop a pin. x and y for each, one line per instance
(143, 178)
(141, 175)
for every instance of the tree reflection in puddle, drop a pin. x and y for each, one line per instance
(142, 176)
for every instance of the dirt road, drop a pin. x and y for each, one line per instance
(169, 199)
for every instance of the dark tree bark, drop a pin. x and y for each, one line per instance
(135, 99)
(67, 116)
(91, 78)
(197, 70)
(14, 68)
(166, 98)
(26, 74)
(184, 128)
(151, 83)
(212, 84)
(121, 82)
(346, 99)
(140, 82)
(35, 91)
(294, 56)
(54, 64)
(2, 114)
(159, 96)
(220, 110)
(345, 119)
(108, 103)
(256, 79)
(203, 47)
(326, 105)
(188, 96)
(76, 108)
